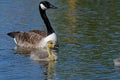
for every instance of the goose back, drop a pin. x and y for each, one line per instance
(42, 33)
(26, 39)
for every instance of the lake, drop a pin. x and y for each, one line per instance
(88, 33)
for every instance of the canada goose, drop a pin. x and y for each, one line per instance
(36, 38)
(44, 55)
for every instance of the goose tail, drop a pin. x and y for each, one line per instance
(12, 34)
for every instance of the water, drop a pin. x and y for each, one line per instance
(88, 32)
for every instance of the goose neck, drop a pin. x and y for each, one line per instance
(46, 21)
(49, 50)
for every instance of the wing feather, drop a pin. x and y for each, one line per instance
(27, 39)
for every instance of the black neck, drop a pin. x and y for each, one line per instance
(46, 21)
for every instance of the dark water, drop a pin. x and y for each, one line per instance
(89, 37)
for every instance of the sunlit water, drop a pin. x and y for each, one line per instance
(89, 38)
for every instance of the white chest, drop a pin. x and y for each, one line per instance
(51, 37)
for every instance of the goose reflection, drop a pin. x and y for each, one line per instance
(22, 50)
(72, 8)
(48, 69)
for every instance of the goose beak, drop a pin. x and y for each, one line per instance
(56, 47)
(52, 6)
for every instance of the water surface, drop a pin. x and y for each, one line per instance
(89, 38)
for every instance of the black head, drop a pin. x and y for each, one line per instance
(46, 5)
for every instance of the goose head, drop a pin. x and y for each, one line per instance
(44, 5)
(50, 44)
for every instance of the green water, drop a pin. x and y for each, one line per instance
(89, 38)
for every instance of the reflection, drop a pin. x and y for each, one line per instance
(72, 7)
(72, 27)
(48, 69)
(43, 55)
(22, 50)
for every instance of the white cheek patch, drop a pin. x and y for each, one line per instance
(43, 7)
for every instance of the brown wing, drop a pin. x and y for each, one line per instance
(42, 33)
(26, 39)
